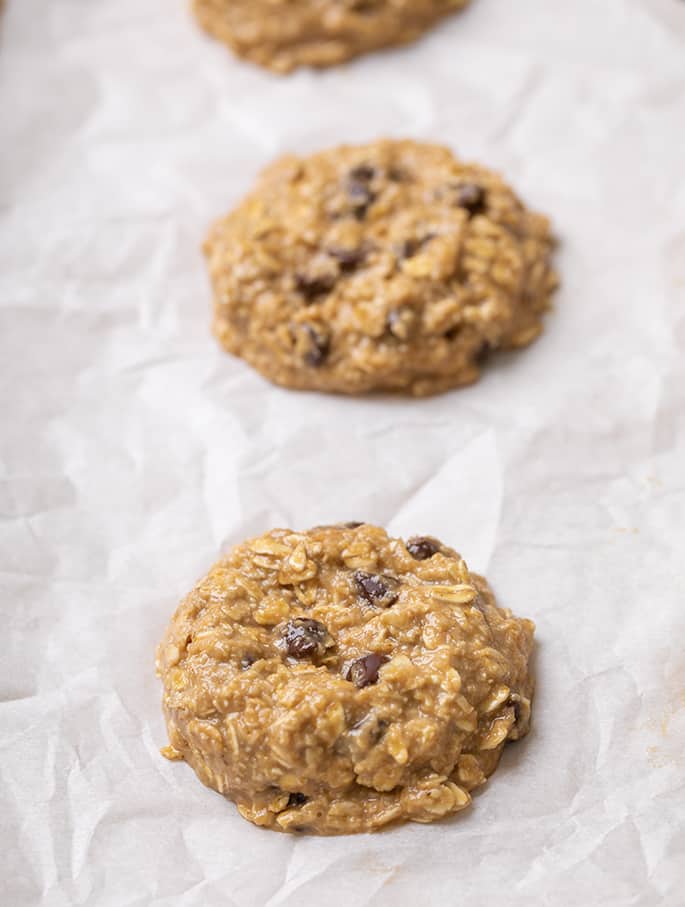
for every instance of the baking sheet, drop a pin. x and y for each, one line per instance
(132, 451)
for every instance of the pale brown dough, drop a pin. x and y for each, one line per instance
(384, 267)
(285, 34)
(335, 680)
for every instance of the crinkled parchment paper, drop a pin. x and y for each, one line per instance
(132, 451)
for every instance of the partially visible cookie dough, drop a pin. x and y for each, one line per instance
(285, 34)
(335, 680)
(390, 267)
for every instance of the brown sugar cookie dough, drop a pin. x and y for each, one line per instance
(335, 680)
(389, 267)
(285, 34)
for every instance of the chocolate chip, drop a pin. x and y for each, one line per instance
(318, 347)
(348, 259)
(358, 191)
(351, 524)
(247, 661)
(363, 173)
(364, 671)
(296, 800)
(311, 286)
(471, 197)
(409, 247)
(421, 547)
(305, 638)
(361, 201)
(376, 589)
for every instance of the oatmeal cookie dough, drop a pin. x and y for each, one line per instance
(335, 680)
(285, 34)
(385, 267)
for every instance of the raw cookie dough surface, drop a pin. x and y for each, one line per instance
(335, 680)
(284, 34)
(389, 267)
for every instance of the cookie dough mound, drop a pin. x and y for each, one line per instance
(390, 267)
(335, 680)
(285, 34)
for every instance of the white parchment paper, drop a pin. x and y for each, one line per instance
(132, 451)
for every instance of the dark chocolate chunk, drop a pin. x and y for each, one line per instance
(305, 638)
(296, 800)
(348, 259)
(359, 193)
(471, 197)
(421, 547)
(358, 190)
(409, 247)
(376, 589)
(318, 347)
(363, 173)
(311, 286)
(361, 203)
(364, 671)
